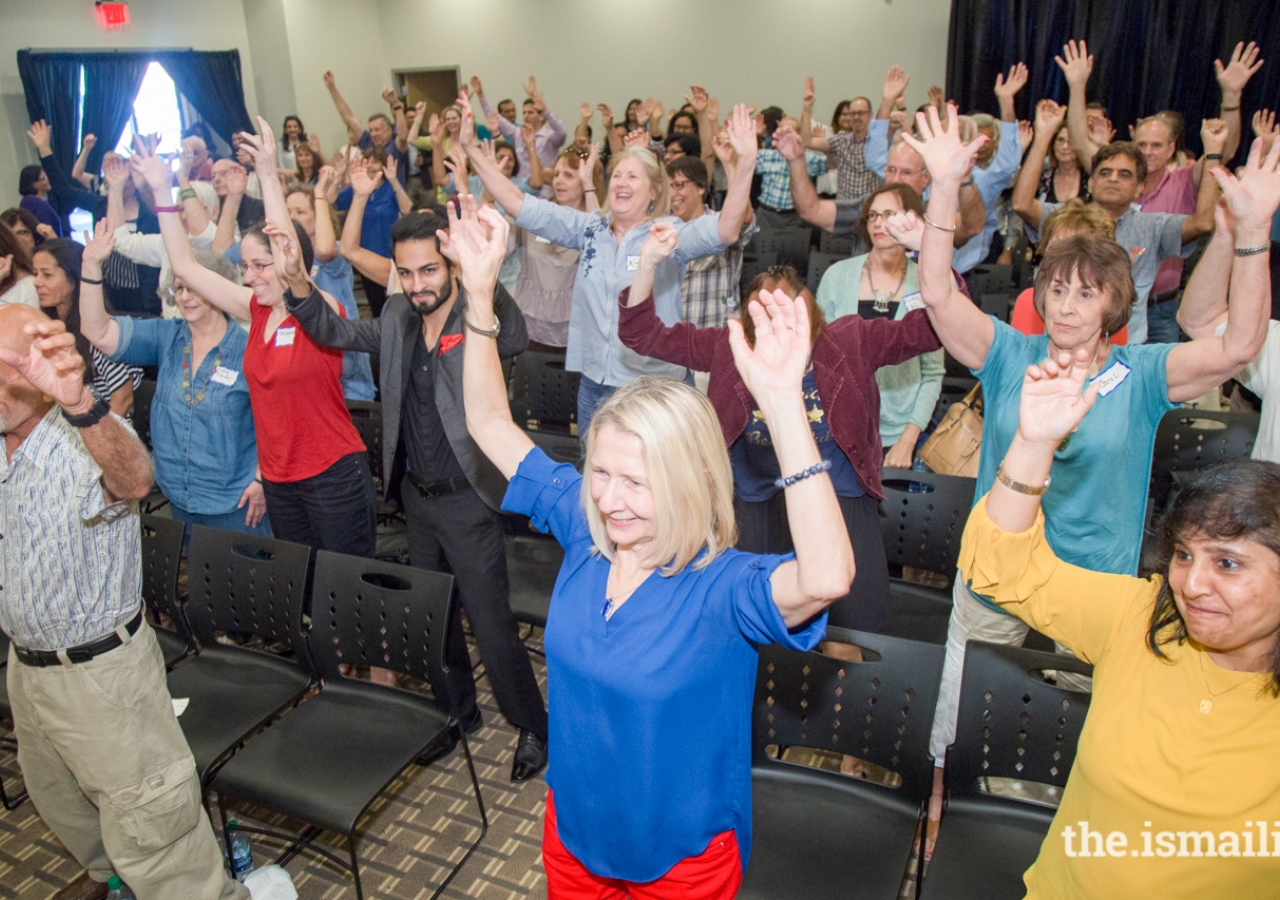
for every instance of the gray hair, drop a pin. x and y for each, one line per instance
(214, 262)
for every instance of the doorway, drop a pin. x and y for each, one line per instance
(438, 87)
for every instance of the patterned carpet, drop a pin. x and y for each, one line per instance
(414, 833)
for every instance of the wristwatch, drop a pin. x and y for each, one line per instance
(96, 413)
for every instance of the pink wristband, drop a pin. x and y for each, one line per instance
(172, 209)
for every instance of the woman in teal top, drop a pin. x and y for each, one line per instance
(883, 284)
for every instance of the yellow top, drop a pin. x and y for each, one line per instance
(1190, 794)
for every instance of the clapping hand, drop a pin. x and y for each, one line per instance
(948, 157)
(1054, 398)
(775, 365)
(52, 364)
(662, 242)
(906, 228)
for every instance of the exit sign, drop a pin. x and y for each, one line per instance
(112, 16)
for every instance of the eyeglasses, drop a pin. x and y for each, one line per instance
(875, 214)
(680, 185)
(247, 267)
(894, 170)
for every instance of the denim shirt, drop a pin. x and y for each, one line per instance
(205, 454)
(605, 267)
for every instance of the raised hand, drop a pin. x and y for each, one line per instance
(1264, 123)
(90, 141)
(1253, 197)
(742, 136)
(643, 111)
(466, 130)
(477, 242)
(115, 171)
(724, 150)
(587, 168)
(152, 169)
(389, 169)
(186, 160)
(662, 242)
(528, 135)
(585, 111)
(698, 98)
(1213, 135)
(41, 137)
(262, 148)
(1101, 131)
(787, 142)
(237, 180)
(1076, 63)
(948, 157)
(1026, 134)
(775, 365)
(389, 95)
(713, 109)
(531, 86)
(1049, 117)
(937, 97)
(808, 96)
(1239, 69)
(656, 112)
(340, 163)
(327, 77)
(313, 139)
(1017, 80)
(287, 255)
(324, 180)
(1054, 398)
(606, 113)
(906, 228)
(52, 364)
(362, 183)
(435, 128)
(98, 247)
(897, 121)
(636, 139)
(895, 83)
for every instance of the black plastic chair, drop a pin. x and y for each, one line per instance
(837, 246)
(366, 415)
(329, 759)
(818, 265)
(922, 519)
(990, 279)
(1014, 725)
(544, 394)
(161, 555)
(238, 586)
(790, 246)
(820, 834)
(6, 712)
(1189, 440)
(143, 395)
(532, 566)
(753, 263)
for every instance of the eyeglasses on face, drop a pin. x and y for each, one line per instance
(247, 267)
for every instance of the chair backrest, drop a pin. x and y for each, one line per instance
(830, 243)
(244, 584)
(1012, 723)
(990, 279)
(818, 264)
(143, 395)
(367, 417)
(753, 264)
(161, 555)
(1192, 439)
(544, 395)
(371, 613)
(996, 303)
(789, 245)
(879, 711)
(922, 519)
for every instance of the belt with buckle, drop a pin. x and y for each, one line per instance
(434, 489)
(79, 654)
(775, 209)
(1157, 299)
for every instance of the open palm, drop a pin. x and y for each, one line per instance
(1054, 399)
(777, 362)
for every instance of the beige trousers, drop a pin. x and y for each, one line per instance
(109, 770)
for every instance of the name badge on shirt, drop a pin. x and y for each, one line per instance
(284, 336)
(223, 375)
(1109, 380)
(912, 301)
(315, 269)
(633, 262)
(539, 239)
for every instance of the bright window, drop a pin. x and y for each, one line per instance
(155, 111)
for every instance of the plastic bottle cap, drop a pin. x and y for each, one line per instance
(114, 883)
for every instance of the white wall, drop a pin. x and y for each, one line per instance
(752, 51)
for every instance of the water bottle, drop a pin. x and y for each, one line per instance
(918, 487)
(116, 889)
(241, 853)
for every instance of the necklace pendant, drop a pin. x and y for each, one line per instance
(882, 301)
(1206, 706)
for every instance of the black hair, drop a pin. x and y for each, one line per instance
(1121, 148)
(773, 116)
(27, 179)
(682, 114)
(15, 214)
(257, 232)
(691, 144)
(302, 136)
(1233, 500)
(690, 167)
(69, 255)
(418, 226)
(506, 145)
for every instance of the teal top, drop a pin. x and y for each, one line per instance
(908, 391)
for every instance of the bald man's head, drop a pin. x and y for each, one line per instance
(905, 165)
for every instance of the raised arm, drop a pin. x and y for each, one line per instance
(611, 132)
(115, 172)
(1077, 66)
(737, 201)
(537, 174)
(1213, 134)
(262, 147)
(809, 205)
(1026, 204)
(193, 209)
(325, 244)
(99, 328)
(341, 105)
(510, 197)
(1007, 89)
(700, 100)
(773, 371)
(229, 297)
(1232, 78)
(237, 182)
(77, 171)
(895, 85)
(397, 116)
(806, 121)
(372, 265)
(1252, 200)
(1204, 302)
(403, 203)
(964, 330)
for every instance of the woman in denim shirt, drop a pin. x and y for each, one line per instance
(206, 456)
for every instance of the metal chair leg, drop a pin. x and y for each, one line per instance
(12, 803)
(355, 864)
(484, 818)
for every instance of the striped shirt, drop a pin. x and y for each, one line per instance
(109, 376)
(71, 563)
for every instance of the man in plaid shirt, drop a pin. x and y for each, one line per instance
(776, 207)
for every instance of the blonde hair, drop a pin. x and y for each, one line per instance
(688, 469)
(661, 193)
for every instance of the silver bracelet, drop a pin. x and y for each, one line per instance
(487, 332)
(929, 221)
(1252, 251)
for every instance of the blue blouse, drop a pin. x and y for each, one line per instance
(650, 710)
(205, 454)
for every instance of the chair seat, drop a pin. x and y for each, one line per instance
(532, 566)
(918, 612)
(231, 692)
(329, 758)
(820, 835)
(562, 448)
(173, 647)
(983, 849)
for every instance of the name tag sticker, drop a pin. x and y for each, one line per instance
(539, 239)
(284, 336)
(633, 262)
(1109, 380)
(913, 300)
(223, 375)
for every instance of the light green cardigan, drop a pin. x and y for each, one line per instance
(908, 391)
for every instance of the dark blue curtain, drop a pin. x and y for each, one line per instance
(51, 82)
(212, 83)
(1148, 54)
(111, 82)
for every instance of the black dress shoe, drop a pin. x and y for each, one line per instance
(444, 743)
(530, 758)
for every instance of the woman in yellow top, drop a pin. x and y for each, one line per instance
(1175, 790)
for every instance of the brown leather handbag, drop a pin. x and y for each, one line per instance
(956, 444)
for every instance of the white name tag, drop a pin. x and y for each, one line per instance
(1109, 380)
(633, 263)
(284, 336)
(180, 704)
(913, 301)
(539, 239)
(223, 375)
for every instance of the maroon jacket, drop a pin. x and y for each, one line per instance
(845, 359)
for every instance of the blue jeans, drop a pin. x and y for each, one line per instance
(228, 521)
(591, 395)
(1162, 323)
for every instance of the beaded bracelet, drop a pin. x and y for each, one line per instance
(801, 476)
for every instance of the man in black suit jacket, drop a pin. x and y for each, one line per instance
(451, 492)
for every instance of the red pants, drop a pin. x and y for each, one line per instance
(714, 874)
